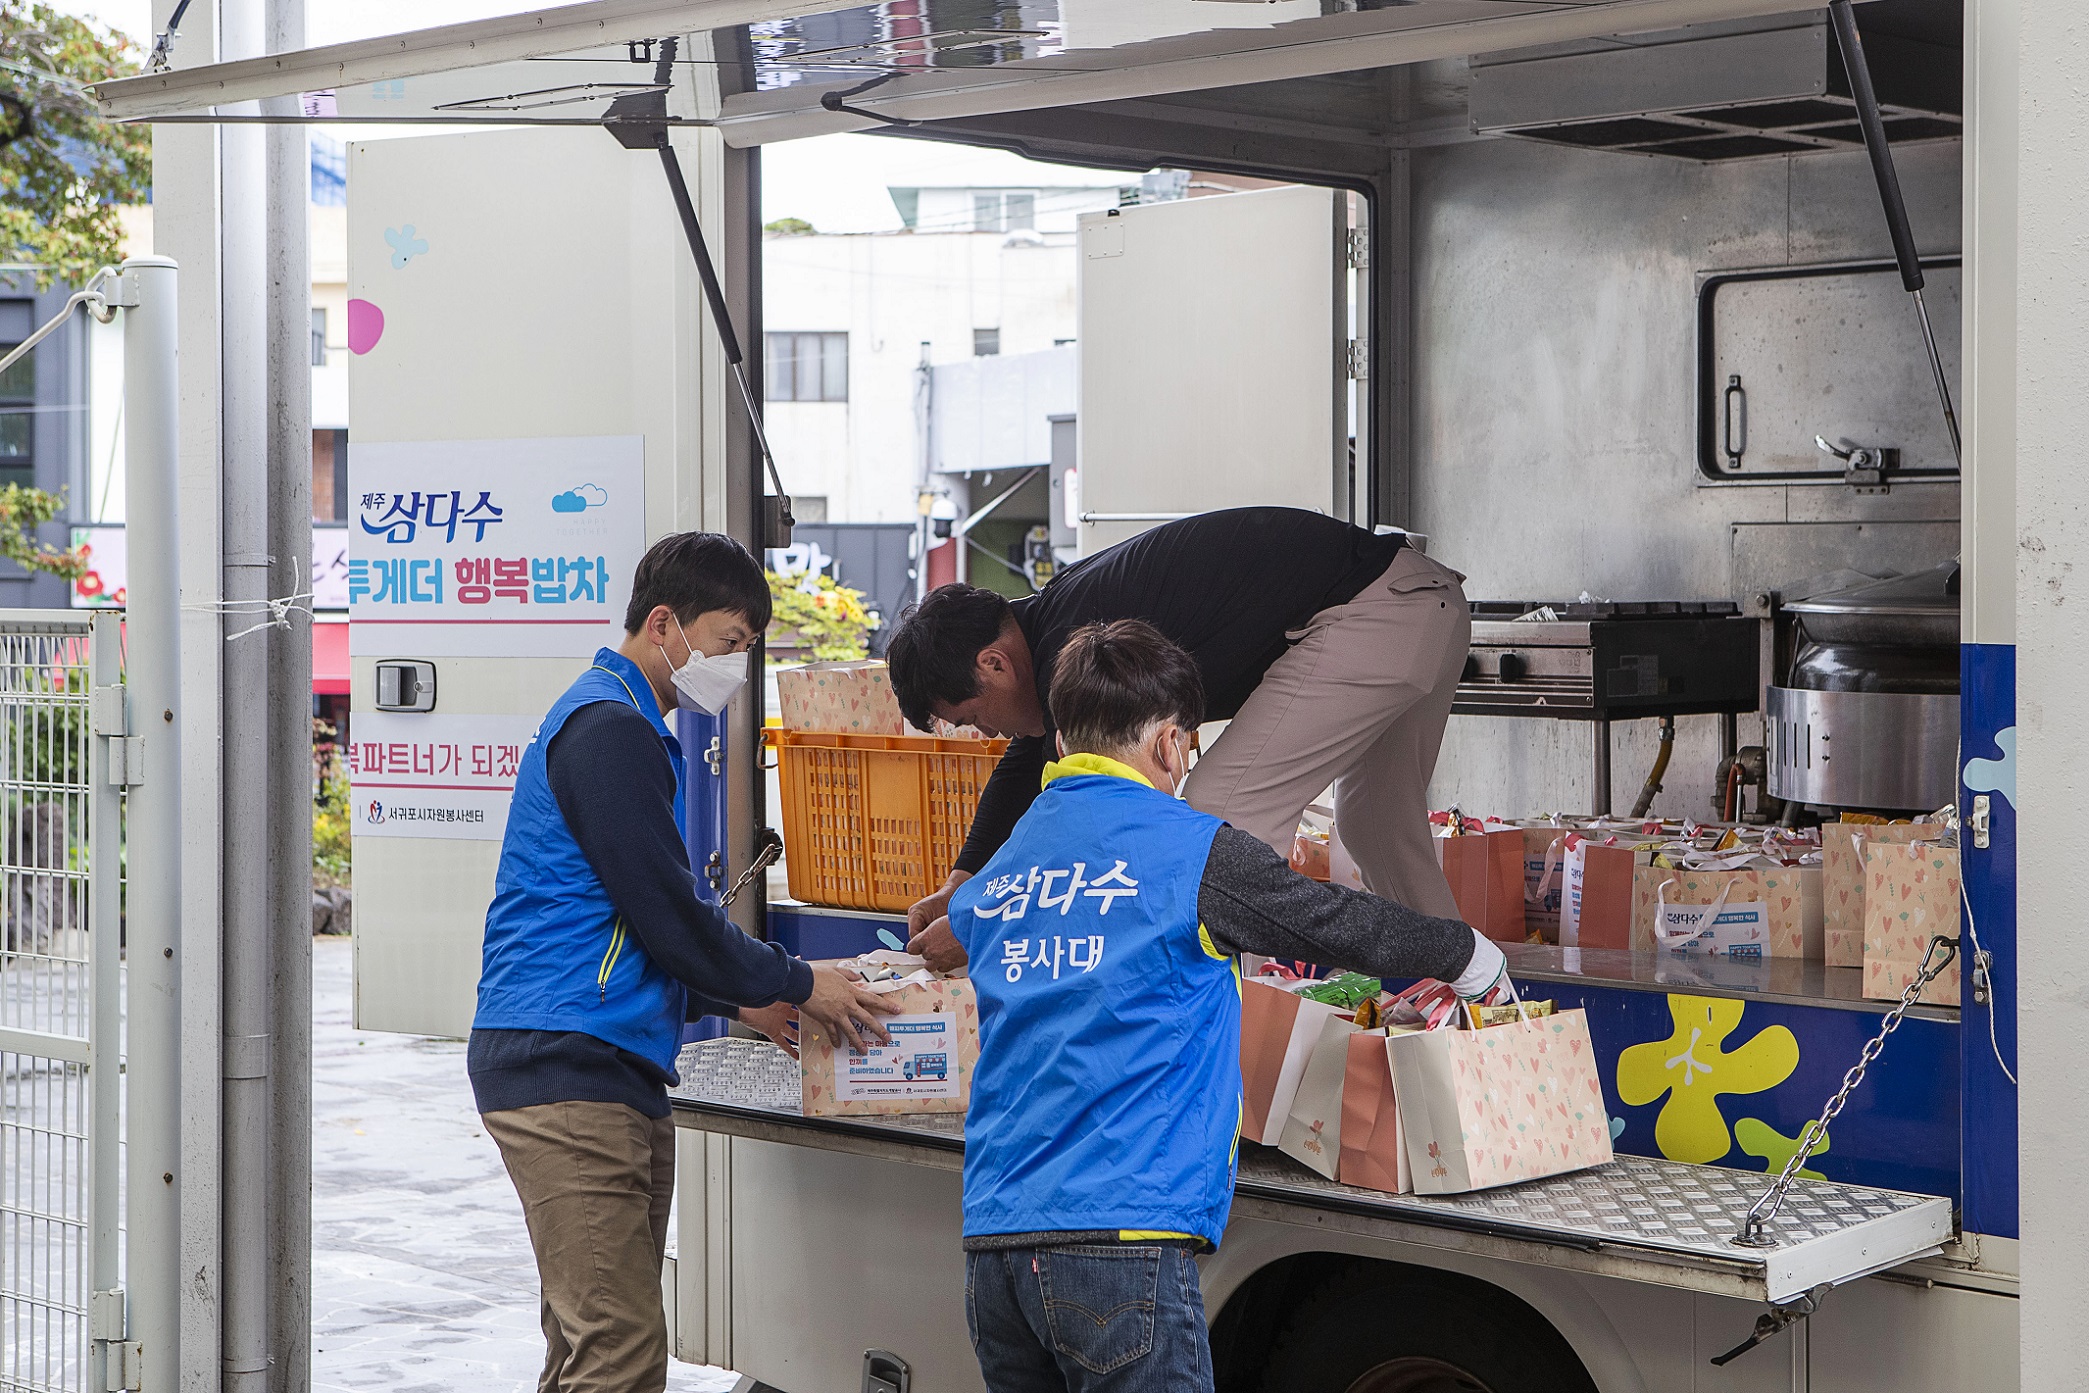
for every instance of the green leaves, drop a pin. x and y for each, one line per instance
(22, 511)
(64, 171)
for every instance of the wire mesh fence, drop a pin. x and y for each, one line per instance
(47, 1006)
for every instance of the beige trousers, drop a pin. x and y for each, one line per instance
(1360, 701)
(596, 1180)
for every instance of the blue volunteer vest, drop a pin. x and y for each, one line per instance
(557, 957)
(1107, 1093)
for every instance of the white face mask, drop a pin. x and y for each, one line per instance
(704, 683)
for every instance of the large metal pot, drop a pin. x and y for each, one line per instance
(1868, 714)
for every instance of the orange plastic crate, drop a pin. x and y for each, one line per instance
(875, 821)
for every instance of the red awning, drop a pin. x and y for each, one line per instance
(329, 659)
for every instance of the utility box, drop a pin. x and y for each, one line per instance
(532, 399)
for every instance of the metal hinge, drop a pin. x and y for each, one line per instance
(1359, 360)
(108, 1322)
(1359, 249)
(714, 755)
(109, 716)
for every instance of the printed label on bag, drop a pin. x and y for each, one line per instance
(1739, 931)
(921, 1062)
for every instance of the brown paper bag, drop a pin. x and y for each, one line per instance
(1313, 1131)
(1911, 895)
(1278, 1030)
(1481, 1108)
(1843, 880)
(1596, 907)
(1544, 882)
(1485, 870)
(1374, 1151)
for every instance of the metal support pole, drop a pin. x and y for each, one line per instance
(289, 823)
(1600, 799)
(105, 956)
(154, 682)
(248, 947)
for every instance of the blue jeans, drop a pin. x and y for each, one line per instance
(1106, 1318)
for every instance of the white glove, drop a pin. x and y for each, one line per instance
(1488, 966)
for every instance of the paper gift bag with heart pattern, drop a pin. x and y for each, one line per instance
(926, 1068)
(1791, 894)
(1911, 895)
(1481, 1108)
(851, 698)
(1843, 880)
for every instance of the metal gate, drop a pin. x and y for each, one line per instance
(60, 1004)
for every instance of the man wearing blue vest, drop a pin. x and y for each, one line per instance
(598, 948)
(1101, 1137)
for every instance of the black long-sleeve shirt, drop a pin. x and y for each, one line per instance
(1229, 587)
(610, 775)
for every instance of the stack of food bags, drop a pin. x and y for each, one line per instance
(1419, 1092)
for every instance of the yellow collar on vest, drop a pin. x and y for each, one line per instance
(1091, 764)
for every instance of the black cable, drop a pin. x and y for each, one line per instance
(838, 101)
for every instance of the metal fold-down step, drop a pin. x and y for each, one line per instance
(1662, 1222)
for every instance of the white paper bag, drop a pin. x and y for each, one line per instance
(1313, 1132)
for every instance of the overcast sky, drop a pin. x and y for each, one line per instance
(836, 183)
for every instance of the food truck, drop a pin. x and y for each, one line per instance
(1607, 304)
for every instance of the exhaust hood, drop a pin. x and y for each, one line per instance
(1727, 91)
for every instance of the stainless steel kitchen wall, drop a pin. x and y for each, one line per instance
(1555, 416)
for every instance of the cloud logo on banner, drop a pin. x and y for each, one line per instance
(579, 500)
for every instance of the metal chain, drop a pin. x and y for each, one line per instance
(1752, 1234)
(772, 847)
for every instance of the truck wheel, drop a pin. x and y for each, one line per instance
(1382, 1329)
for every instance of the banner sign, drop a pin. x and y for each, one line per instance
(493, 548)
(434, 775)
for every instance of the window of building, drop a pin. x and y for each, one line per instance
(997, 210)
(17, 419)
(318, 336)
(807, 367)
(986, 342)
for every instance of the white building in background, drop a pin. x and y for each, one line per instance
(852, 320)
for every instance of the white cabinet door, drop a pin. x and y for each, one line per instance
(1213, 334)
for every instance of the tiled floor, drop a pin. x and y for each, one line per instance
(422, 1275)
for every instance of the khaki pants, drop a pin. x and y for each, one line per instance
(596, 1180)
(1360, 700)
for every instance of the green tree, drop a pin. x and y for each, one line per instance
(64, 170)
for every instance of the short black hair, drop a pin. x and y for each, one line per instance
(695, 573)
(1114, 682)
(931, 657)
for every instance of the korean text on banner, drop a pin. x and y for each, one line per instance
(1313, 1132)
(493, 548)
(434, 775)
(1488, 1107)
